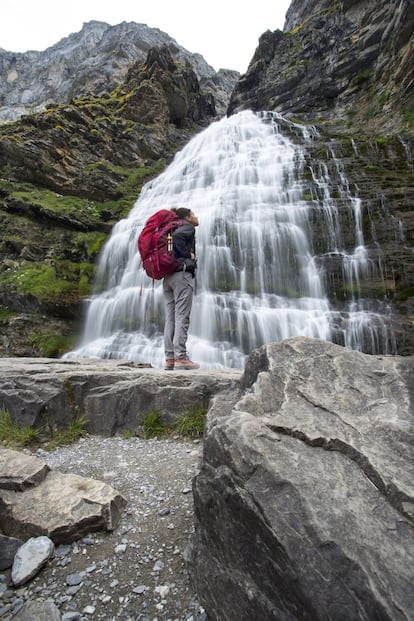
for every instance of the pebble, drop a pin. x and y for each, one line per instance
(74, 579)
(137, 572)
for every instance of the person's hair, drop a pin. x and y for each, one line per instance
(182, 212)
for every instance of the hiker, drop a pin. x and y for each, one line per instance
(178, 290)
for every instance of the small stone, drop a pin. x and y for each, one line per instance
(105, 599)
(158, 566)
(140, 589)
(88, 610)
(30, 558)
(74, 579)
(162, 590)
(71, 616)
(63, 550)
(120, 548)
(164, 511)
(91, 568)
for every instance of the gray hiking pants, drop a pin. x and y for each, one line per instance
(178, 295)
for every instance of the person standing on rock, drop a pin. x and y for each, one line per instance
(178, 290)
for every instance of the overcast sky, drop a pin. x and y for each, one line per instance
(224, 32)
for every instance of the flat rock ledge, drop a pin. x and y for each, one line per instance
(111, 395)
(37, 501)
(304, 502)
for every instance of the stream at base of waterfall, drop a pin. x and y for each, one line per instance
(271, 227)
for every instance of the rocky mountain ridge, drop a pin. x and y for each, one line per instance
(92, 63)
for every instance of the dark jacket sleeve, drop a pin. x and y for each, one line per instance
(184, 245)
(184, 241)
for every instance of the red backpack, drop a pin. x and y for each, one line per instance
(155, 244)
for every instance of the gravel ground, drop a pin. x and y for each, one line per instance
(136, 573)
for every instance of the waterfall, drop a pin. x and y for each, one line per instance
(270, 232)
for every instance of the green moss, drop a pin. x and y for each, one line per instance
(89, 243)
(51, 345)
(408, 118)
(5, 313)
(361, 76)
(405, 294)
(335, 6)
(39, 280)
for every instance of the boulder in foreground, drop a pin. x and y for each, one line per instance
(305, 498)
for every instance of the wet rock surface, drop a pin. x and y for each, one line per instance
(137, 571)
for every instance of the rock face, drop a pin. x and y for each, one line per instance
(305, 500)
(76, 149)
(351, 61)
(113, 396)
(62, 507)
(92, 63)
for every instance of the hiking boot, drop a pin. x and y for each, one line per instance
(169, 364)
(186, 364)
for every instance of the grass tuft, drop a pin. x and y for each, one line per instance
(76, 430)
(153, 426)
(192, 423)
(13, 435)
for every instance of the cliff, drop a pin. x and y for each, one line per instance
(346, 64)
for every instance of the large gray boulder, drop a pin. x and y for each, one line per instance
(305, 498)
(64, 507)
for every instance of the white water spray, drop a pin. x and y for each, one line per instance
(259, 279)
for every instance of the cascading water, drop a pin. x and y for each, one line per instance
(261, 274)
